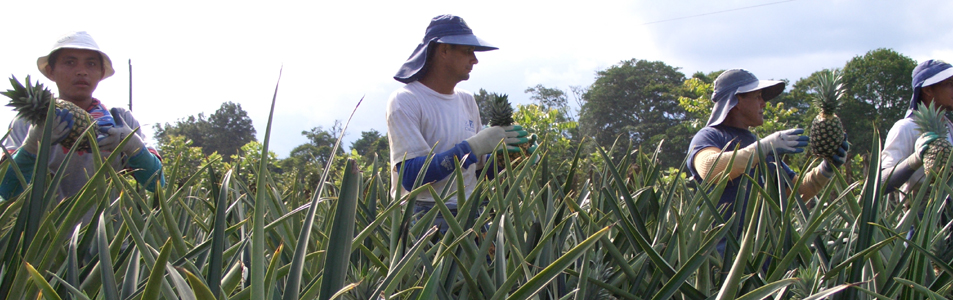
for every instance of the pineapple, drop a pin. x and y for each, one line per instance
(500, 113)
(827, 131)
(930, 119)
(32, 103)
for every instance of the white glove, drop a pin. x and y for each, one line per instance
(116, 135)
(487, 139)
(32, 142)
(784, 141)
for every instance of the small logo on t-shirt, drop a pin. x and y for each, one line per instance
(470, 126)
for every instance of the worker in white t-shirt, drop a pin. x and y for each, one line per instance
(902, 157)
(429, 117)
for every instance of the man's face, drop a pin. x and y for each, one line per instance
(750, 109)
(77, 72)
(460, 61)
(940, 93)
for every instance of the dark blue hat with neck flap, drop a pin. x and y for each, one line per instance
(925, 74)
(444, 29)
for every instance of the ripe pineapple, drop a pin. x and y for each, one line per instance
(500, 113)
(930, 119)
(827, 131)
(32, 102)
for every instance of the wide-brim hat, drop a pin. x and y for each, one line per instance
(444, 29)
(75, 40)
(738, 81)
(927, 73)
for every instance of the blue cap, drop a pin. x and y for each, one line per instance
(738, 81)
(927, 73)
(444, 29)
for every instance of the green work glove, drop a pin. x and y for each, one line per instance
(515, 135)
(923, 144)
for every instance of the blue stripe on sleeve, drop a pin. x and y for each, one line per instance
(440, 167)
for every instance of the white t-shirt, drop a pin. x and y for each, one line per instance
(901, 139)
(419, 118)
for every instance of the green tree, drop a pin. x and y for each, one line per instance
(320, 143)
(548, 98)
(878, 90)
(231, 128)
(636, 100)
(224, 131)
(372, 141)
(483, 102)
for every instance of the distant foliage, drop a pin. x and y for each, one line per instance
(224, 131)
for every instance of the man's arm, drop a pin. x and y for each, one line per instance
(10, 185)
(143, 158)
(440, 167)
(711, 162)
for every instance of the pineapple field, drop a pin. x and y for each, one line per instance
(610, 224)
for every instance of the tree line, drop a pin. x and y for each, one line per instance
(649, 104)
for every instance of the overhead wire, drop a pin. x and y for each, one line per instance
(718, 12)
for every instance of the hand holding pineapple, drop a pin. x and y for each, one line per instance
(836, 159)
(922, 145)
(930, 148)
(484, 141)
(32, 101)
(515, 136)
(32, 142)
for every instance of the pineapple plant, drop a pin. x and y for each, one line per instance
(500, 113)
(827, 131)
(930, 119)
(31, 102)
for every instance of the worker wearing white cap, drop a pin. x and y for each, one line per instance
(76, 64)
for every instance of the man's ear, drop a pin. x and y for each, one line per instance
(49, 70)
(926, 93)
(442, 49)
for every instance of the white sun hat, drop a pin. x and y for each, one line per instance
(75, 40)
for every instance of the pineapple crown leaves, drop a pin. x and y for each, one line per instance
(31, 101)
(829, 90)
(930, 119)
(500, 112)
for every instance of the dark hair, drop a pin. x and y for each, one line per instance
(55, 55)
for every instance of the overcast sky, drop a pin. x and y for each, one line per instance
(190, 56)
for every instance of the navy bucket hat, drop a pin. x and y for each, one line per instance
(926, 74)
(444, 29)
(738, 81)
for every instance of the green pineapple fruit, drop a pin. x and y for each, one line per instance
(500, 113)
(930, 119)
(31, 103)
(827, 131)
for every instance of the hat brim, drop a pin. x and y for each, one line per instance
(468, 40)
(43, 61)
(771, 88)
(720, 110)
(943, 75)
